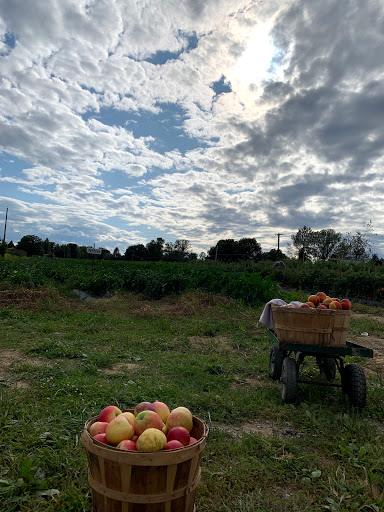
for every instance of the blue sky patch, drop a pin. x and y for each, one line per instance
(221, 86)
(166, 127)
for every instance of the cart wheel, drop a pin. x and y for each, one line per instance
(355, 385)
(289, 380)
(327, 366)
(276, 357)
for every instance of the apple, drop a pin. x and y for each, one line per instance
(118, 430)
(135, 438)
(130, 417)
(102, 438)
(147, 419)
(304, 306)
(162, 410)
(109, 413)
(335, 305)
(192, 440)
(321, 296)
(127, 444)
(172, 445)
(180, 417)
(327, 300)
(99, 427)
(315, 299)
(346, 304)
(151, 440)
(143, 406)
(310, 304)
(322, 306)
(335, 299)
(180, 434)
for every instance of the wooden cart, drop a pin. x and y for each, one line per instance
(287, 359)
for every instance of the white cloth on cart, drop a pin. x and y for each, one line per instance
(266, 316)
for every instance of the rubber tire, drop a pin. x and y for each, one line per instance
(355, 385)
(327, 366)
(276, 358)
(289, 380)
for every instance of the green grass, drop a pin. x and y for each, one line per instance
(198, 350)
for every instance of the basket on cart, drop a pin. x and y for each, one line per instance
(321, 334)
(324, 327)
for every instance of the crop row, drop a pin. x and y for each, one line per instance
(153, 280)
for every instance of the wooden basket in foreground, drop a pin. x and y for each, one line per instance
(129, 481)
(324, 327)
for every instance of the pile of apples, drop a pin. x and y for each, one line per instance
(322, 301)
(150, 428)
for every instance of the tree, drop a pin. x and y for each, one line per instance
(136, 253)
(155, 249)
(230, 250)
(48, 247)
(33, 245)
(274, 255)
(303, 241)
(248, 249)
(116, 254)
(178, 251)
(3, 249)
(325, 243)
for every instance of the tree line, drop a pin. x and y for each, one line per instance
(306, 245)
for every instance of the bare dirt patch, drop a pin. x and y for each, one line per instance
(204, 342)
(26, 299)
(10, 356)
(121, 368)
(375, 318)
(256, 383)
(265, 427)
(376, 365)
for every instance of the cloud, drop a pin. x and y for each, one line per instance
(113, 111)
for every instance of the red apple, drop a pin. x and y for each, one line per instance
(315, 299)
(99, 427)
(335, 299)
(192, 440)
(310, 304)
(109, 413)
(180, 417)
(335, 305)
(180, 434)
(127, 444)
(102, 438)
(346, 304)
(327, 300)
(147, 419)
(172, 445)
(144, 406)
(118, 430)
(322, 306)
(304, 306)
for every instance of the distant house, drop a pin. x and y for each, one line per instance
(17, 252)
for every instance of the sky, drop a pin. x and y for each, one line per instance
(126, 120)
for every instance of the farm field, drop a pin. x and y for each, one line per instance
(62, 360)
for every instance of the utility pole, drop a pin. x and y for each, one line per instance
(278, 241)
(5, 226)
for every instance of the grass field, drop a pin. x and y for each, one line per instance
(63, 360)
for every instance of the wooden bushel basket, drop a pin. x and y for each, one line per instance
(130, 481)
(324, 327)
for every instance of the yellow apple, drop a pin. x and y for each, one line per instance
(151, 440)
